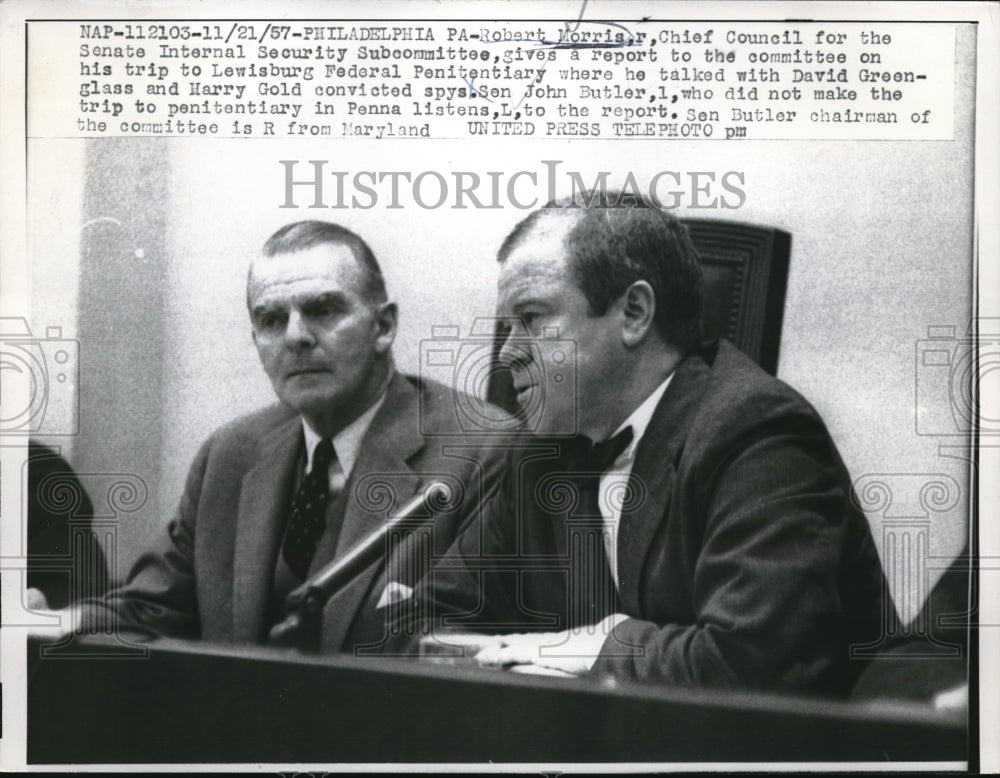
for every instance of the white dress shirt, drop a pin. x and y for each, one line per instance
(346, 444)
(575, 651)
(612, 485)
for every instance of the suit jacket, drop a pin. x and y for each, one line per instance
(211, 574)
(742, 563)
(65, 559)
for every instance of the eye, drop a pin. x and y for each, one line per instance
(271, 321)
(534, 322)
(323, 309)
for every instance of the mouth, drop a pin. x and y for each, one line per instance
(306, 371)
(523, 391)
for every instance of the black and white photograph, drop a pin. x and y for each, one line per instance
(488, 386)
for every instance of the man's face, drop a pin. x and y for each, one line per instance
(538, 286)
(317, 335)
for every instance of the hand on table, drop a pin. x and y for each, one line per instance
(954, 700)
(35, 601)
(571, 651)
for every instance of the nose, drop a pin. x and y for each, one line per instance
(515, 353)
(297, 333)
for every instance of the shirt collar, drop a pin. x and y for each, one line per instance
(347, 442)
(640, 418)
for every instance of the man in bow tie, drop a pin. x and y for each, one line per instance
(275, 496)
(683, 517)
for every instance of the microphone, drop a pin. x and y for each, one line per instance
(305, 603)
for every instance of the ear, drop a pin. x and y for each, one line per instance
(386, 319)
(638, 308)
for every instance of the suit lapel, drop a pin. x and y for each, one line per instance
(382, 464)
(654, 468)
(264, 498)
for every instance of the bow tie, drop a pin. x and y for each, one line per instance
(598, 457)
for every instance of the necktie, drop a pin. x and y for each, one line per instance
(592, 593)
(308, 516)
(603, 455)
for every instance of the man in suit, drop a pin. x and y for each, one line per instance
(275, 496)
(708, 538)
(60, 514)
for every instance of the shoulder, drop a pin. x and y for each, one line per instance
(44, 461)
(751, 435)
(730, 403)
(443, 410)
(737, 391)
(244, 433)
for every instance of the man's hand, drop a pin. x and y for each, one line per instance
(953, 700)
(35, 601)
(571, 651)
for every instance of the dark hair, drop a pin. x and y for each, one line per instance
(617, 240)
(303, 235)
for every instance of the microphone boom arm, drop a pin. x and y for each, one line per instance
(305, 603)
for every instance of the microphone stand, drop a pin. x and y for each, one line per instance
(305, 604)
